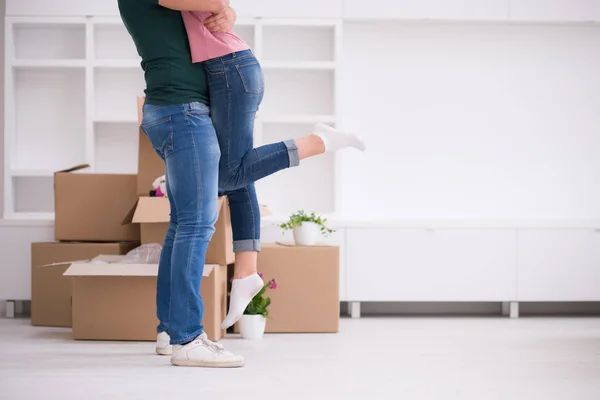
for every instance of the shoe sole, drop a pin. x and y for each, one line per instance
(207, 364)
(164, 352)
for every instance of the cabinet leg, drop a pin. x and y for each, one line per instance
(514, 309)
(354, 307)
(10, 309)
(505, 308)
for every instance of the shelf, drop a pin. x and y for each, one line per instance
(48, 63)
(49, 41)
(297, 119)
(116, 146)
(298, 43)
(33, 194)
(27, 219)
(49, 119)
(298, 92)
(40, 173)
(106, 119)
(299, 65)
(118, 63)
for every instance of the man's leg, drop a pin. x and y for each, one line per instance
(163, 284)
(191, 154)
(159, 135)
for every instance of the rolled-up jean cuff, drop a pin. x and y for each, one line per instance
(246, 245)
(293, 155)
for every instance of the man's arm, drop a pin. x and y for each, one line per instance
(214, 6)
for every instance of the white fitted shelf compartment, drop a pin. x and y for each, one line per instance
(309, 43)
(315, 176)
(308, 92)
(49, 41)
(116, 147)
(50, 118)
(112, 42)
(113, 88)
(70, 99)
(34, 194)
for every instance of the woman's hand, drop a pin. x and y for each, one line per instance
(222, 21)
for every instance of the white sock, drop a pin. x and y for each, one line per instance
(242, 292)
(335, 140)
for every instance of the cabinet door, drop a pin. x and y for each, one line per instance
(436, 265)
(559, 265)
(271, 234)
(70, 8)
(555, 10)
(495, 10)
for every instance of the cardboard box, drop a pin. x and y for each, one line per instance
(307, 298)
(117, 301)
(90, 207)
(50, 291)
(150, 165)
(152, 214)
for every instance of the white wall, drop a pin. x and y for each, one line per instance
(472, 121)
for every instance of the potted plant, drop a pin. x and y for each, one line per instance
(306, 228)
(254, 321)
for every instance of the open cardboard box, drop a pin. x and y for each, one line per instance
(90, 207)
(117, 301)
(152, 215)
(50, 290)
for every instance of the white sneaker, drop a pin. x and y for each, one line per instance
(163, 344)
(204, 353)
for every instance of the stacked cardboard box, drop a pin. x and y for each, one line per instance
(307, 298)
(88, 213)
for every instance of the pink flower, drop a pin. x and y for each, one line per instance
(273, 284)
(261, 274)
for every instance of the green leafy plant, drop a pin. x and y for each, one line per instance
(259, 304)
(300, 216)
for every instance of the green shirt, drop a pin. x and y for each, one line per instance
(161, 40)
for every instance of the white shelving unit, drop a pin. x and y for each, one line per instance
(71, 85)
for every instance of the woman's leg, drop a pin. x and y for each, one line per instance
(236, 88)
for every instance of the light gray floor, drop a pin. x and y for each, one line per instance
(371, 358)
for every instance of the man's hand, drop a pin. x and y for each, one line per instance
(222, 21)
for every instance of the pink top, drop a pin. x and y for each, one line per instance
(205, 45)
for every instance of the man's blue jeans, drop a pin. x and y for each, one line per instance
(184, 137)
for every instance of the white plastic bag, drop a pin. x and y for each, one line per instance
(145, 254)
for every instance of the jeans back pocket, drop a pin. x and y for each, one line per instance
(252, 77)
(160, 133)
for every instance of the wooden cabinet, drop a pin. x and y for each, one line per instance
(559, 265)
(431, 265)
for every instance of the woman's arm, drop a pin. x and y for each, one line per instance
(214, 6)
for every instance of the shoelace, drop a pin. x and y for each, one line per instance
(217, 348)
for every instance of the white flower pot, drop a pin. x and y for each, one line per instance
(307, 234)
(252, 326)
